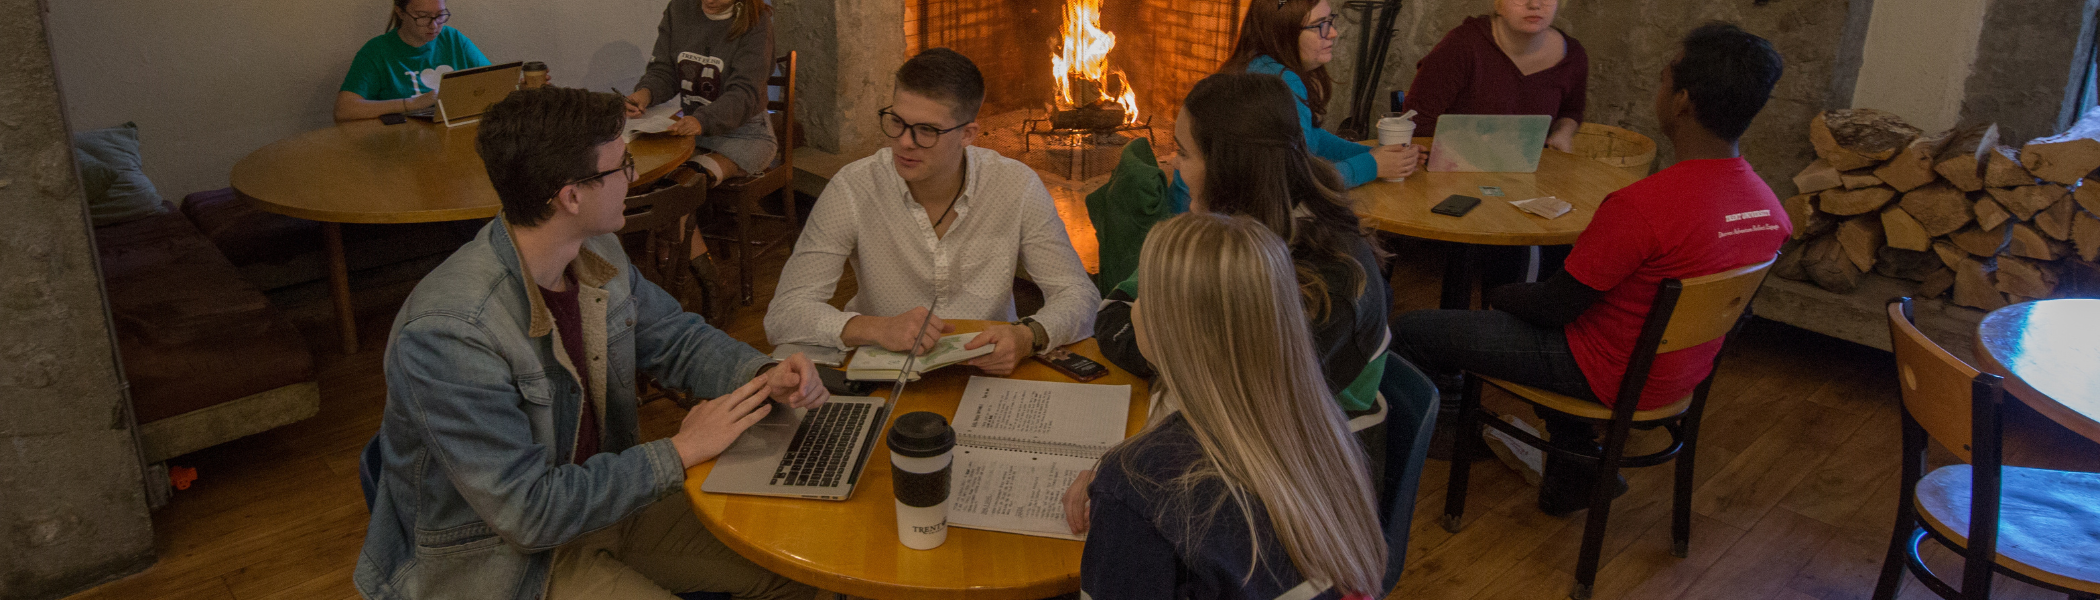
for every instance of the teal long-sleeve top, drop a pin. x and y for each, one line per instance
(1351, 159)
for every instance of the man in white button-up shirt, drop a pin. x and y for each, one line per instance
(932, 221)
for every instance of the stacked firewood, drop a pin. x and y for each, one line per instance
(1958, 212)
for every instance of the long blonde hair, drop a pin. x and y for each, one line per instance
(1222, 323)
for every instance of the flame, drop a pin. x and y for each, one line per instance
(1085, 56)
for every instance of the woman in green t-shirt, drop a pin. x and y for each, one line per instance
(398, 71)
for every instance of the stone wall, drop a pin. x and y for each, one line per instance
(72, 510)
(809, 27)
(2031, 53)
(1630, 41)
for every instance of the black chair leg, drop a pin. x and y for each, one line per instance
(1681, 509)
(1602, 492)
(1465, 437)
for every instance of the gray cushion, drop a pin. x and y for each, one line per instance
(117, 191)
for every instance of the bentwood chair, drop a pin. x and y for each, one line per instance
(1685, 314)
(742, 195)
(2034, 525)
(658, 240)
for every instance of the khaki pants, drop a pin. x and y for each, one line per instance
(661, 551)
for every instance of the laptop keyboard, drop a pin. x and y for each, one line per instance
(818, 456)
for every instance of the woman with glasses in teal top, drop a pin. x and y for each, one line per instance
(398, 71)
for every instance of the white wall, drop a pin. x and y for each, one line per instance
(210, 81)
(1918, 57)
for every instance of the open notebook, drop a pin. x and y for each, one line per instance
(1020, 443)
(872, 363)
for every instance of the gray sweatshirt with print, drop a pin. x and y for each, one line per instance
(722, 80)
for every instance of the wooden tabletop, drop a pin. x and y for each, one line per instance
(366, 171)
(851, 547)
(1403, 207)
(2049, 352)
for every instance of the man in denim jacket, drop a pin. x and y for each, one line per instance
(507, 462)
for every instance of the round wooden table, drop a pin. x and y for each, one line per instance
(2049, 353)
(1403, 208)
(366, 171)
(851, 547)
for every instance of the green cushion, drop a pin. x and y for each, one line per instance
(117, 191)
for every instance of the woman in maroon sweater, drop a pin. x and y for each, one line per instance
(1510, 63)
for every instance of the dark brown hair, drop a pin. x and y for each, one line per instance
(1255, 164)
(393, 17)
(536, 141)
(1271, 29)
(945, 75)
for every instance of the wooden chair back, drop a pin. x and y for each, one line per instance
(662, 207)
(780, 106)
(1708, 307)
(1935, 385)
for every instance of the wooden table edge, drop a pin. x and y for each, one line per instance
(2033, 398)
(1446, 235)
(815, 575)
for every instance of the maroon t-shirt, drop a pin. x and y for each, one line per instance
(1467, 74)
(568, 323)
(1698, 217)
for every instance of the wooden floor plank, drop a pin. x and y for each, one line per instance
(1767, 557)
(1802, 437)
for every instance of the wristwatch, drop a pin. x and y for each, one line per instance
(1040, 336)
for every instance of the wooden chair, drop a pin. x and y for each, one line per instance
(1685, 313)
(655, 240)
(2034, 525)
(743, 194)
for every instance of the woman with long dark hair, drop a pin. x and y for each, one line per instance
(398, 71)
(1294, 40)
(1243, 153)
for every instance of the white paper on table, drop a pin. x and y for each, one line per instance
(1544, 206)
(657, 119)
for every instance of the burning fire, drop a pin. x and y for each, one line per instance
(1082, 70)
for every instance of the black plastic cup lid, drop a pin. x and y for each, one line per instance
(921, 434)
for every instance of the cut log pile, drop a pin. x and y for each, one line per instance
(1958, 212)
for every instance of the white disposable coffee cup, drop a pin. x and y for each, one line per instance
(922, 452)
(1394, 129)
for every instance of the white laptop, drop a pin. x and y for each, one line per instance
(1488, 143)
(464, 95)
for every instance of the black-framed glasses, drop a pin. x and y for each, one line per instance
(1324, 26)
(923, 135)
(426, 21)
(626, 166)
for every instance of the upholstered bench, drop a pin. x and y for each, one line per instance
(208, 359)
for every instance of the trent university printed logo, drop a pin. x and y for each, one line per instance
(700, 77)
(930, 529)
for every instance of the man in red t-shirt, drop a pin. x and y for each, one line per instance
(1574, 332)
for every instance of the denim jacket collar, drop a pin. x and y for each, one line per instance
(590, 269)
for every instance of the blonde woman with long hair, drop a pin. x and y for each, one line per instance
(1247, 484)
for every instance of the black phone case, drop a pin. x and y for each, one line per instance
(1456, 205)
(393, 118)
(1076, 367)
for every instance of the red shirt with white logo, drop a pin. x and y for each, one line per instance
(1698, 217)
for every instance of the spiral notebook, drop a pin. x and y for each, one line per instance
(1020, 443)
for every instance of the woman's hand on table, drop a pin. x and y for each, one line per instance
(1395, 160)
(423, 100)
(687, 126)
(1075, 502)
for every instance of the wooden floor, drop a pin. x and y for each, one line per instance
(1796, 484)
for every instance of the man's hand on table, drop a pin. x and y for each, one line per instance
(795, 382)
(895, 333)
(1011, 343)
(712, 426)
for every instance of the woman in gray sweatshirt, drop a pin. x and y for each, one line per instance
(715, 55)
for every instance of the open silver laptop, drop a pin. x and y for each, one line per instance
(464, 95)
(809, 453)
